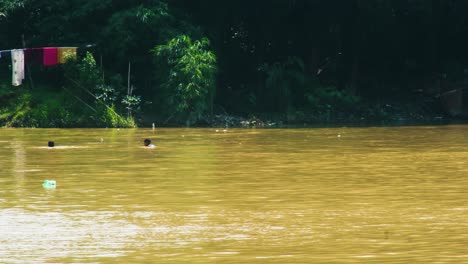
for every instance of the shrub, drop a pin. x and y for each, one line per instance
(110, 118)
(331, 98)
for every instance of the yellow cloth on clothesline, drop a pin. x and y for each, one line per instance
(66, 53)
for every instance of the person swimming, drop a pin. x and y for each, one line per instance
(51, 145)
(148, 144)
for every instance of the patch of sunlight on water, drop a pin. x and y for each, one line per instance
(38, 236)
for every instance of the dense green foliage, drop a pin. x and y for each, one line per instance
(188, 82)
(179, 61)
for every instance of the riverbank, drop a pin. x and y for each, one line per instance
(387, 114)
(62, 109)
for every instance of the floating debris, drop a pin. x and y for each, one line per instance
(49, 184)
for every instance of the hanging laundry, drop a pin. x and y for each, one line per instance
(50, 56)
(34, 55)
(17, 60)
(6, 54)
(66, 53)
(81, 52)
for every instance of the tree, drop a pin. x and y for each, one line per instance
(190, 70)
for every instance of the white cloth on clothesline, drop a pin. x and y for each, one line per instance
(17, 60)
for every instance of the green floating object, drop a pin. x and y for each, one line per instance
(49, 184)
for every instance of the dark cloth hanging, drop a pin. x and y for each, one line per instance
(50, 56)
(81, 50)
(6, 54)
(34, 55)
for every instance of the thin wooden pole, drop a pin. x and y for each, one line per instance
(129, 90)
(128, 78)
(102, 71)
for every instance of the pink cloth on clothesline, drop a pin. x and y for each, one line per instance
(50, 56)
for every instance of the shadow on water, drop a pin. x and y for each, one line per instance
(387, 123)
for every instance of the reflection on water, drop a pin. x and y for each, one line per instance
(28, 236)
(342, 195)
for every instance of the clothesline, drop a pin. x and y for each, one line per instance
(86, 46)
(47, 56)
(36, 48)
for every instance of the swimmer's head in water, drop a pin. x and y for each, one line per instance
(51, 144)
(147, 142)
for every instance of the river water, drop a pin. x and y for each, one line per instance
(324, 195)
